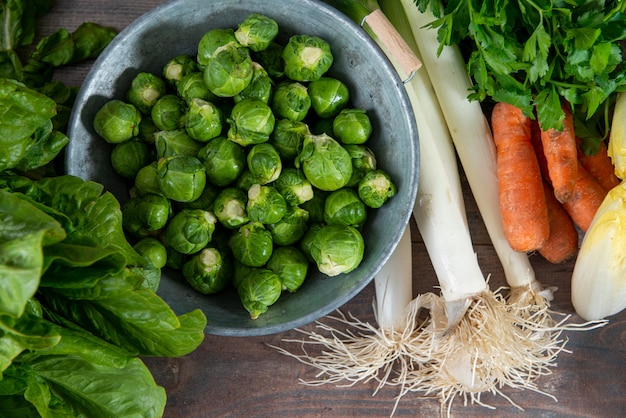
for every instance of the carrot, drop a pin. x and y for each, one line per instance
(562, 242)
(585, 200)
(561, 153)
(599, 165)
(520, 191)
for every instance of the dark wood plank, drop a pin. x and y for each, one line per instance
(246, 377)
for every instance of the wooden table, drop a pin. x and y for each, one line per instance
(244, 377)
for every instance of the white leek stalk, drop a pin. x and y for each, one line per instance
(617, 137)
(599, 277)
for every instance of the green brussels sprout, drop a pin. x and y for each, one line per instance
(168, 112)
(229, 70)
(260, 87)
(211, 41)
(352, 126)
(291, 266)
(147, 180)
(203, 120)
(145, 215)
(208, 271)
(363, 160)
(223, 160)
(258, 290)
(147, 128)
(291, 227)
(291, 101)
(239, 272)
(337, 249)
(190, 230)
(175, 260)
(205, 201)
(153, 251)
(315, 206)
(344, 206)
(375, 188)
(288, 136)
(307, 240)
(257, 31)
(245, 180)
(265, 204)
(181, 178)
(252, 244)
(251, 122)
(293, 185)
(175, 143)
(145, 89)
(325, 163)
(178, 67)
(128, 157)
(328, 96)
(117, 121)
(271, 58)
(229, 207)
(307, 57)
(192, 86)
(264, 162)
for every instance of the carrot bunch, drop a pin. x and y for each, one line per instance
(548, 188)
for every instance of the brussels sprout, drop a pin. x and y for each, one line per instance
(264, 163)
(203, 120)
(257, 31)
(245, 180)
(205, 201)
(288, 136)
(175, 143)
(145, 89)
(294, 186)
(251, 122)
(153, 251)
(344, 206)
(260, 87)
(128, 157)
(291, 227)
(307, 240)
(178, 67)
(144, 215)
(181, 178)
(271, 58)
(291, 101)
(229, 207)
(265, 204)
(223, 160)
(291, 266)
(117, 121)
(147, 180)
(239, 272)
(252, 244)
(258, 290)
(208, 271)
(190, 230)
(337, 249)
(147, 129)
(328, 96)
(325, 163)
(315, 206)
(352, 126)
(168, 112)
(363, 160)
(307, 58)
(375, 188)
(211, 41)
(192, 86)
(175, 259)
(229, 70)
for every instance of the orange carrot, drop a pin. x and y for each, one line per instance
(562, 243)
(561, 154)
(520, 190)
(599, 166)
(585, 200)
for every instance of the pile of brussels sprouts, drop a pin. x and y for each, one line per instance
(246, 164)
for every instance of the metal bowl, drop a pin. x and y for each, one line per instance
(175, 28)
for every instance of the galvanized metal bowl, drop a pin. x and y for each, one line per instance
(175, 28)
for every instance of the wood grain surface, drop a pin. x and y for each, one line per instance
(245, 377)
